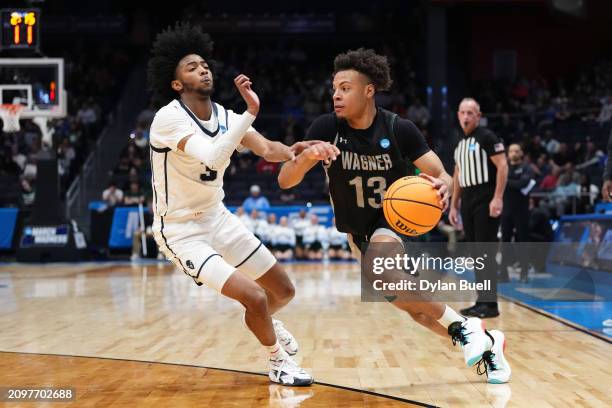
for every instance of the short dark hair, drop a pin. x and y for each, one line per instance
(368, 63)
(172, 45)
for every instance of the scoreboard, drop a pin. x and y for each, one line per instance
(20, 29)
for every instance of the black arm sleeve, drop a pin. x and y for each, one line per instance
(492, 144)
(324, 128)
(411, 140)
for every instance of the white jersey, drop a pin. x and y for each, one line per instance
(299, 225)
(336, 237)
(182, 185)
(315, 233)
(283, 236)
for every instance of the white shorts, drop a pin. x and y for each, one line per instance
(212, 246)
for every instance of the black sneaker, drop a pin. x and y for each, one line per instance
(481, 310)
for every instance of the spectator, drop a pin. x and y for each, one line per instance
(255, 201)
(258, 226)
(606, 111)
(551, 180)
(244, 217)
(299, 225)
(134, 195)
(283, 240)
(112, 195)
(338, 243)
(315, 239)
(419, 114)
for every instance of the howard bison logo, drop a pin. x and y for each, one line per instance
(403, 227)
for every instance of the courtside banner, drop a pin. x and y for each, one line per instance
(459, 272)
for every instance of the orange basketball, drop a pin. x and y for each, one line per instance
(411, 206)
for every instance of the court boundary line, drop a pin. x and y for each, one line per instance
(373, 393)
(558, 319)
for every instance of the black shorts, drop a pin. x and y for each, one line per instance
(361, 241)
(337, 247)
(314, 246)
(299, 241)
(282, 247)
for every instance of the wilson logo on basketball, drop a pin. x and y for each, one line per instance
(412, 206)
(403, 227)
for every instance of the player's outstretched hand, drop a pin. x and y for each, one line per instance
(243, 83)
(443, 193)
(299, 147)
(322, 151)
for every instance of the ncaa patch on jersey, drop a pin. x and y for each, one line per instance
(499, 147)
(385, 143)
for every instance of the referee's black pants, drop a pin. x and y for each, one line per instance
(478, 226)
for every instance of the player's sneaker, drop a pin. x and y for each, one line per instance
(471, 335)
(285, 339)
(285, 371)
(494, 363)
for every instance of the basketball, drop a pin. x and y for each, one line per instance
(411, 206)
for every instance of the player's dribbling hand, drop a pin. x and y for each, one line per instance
(243, 83)
(438, 184)
(322, 151)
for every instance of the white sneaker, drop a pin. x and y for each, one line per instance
(134, 257)
(285, 371)
(494, 363)
(285, 339)
(471, 335)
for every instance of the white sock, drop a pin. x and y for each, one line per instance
(277, 352)
(449, 317)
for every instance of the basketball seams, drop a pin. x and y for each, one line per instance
(390, 210)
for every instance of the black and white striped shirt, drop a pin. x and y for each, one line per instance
(472, 156)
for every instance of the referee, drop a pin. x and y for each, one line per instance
(479, 181)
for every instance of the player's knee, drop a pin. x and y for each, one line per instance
(256, 301)
(287, 291)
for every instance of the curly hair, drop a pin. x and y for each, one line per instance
(172, 45)
(368, 63)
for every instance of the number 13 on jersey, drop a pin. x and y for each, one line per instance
(378, 183)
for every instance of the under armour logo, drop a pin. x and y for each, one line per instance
(190, 264)
(343, 140)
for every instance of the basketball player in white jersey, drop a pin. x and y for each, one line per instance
(192, 139)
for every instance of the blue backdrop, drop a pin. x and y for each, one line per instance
(8, 218)
(125, 221)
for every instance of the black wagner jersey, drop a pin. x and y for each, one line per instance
(370, 160)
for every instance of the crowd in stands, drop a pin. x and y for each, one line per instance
(563, 128)
(92, 83)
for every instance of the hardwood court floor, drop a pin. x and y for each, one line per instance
(151, 314)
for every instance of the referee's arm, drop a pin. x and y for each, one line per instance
(453, 216)
(497, 203)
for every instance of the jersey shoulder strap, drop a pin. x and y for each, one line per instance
(390, 118)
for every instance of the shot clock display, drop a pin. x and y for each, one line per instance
(20, 28)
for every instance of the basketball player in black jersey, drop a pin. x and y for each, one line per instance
(364, 149)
